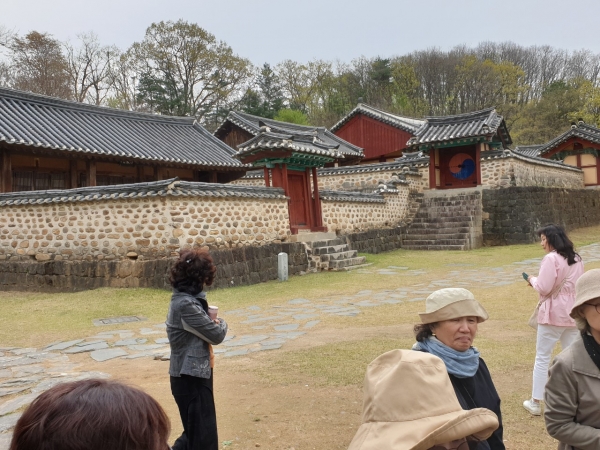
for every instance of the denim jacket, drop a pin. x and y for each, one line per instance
(190, 330)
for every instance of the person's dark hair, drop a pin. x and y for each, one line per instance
(423, 331)
(92, 415)
(557, 238)
(193, 270)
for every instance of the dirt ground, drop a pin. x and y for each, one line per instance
(255, 413)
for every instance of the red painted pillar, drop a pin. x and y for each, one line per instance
(478, 163)
(318, 212)
(267, 180)
(432, 168)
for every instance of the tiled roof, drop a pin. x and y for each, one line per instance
(485, 123)
(408, 124)
(498, 154)
(251, 124)
(172, 187)
(341, 196)
(300, 142)
(528, 150)
(40, 121)
(367, 168)
(581, 130)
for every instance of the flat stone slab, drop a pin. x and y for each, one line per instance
(367, 303)
(299, 301)
(242, 351)
(5, 439)
(270, 347)
(246, 340)
(23, 351)
(86, 348)
(287, 327)
(116, 320)
(304, 316)
(9, 421)
(106, 354)
(289, 335)
(18, 362)
(10, 391)
(16, 403)
(310, 324)
(143, 348)
(131, 341)
(162, 340)
(62, 345)
(6, 373)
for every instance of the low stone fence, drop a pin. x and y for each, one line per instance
(368, 177)
(512, 215)
(235, 267)
(138, 221)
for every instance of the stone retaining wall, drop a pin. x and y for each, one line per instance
(235, 267)
(376, 241)
(512, 215)
(368, 177)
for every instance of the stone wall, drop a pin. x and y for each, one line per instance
(512, 215)
(235, 267)
(509, 169)
(345, 213)
(376, 240)
(145, 228)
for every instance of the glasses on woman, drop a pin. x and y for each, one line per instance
(463, 446)
(596, 306)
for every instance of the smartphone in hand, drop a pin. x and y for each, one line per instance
(525, 276)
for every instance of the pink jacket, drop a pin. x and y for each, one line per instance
(555, 310)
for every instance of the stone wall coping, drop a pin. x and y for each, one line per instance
(171, 187)
(531, 159)
(358, 197)
(364, 168)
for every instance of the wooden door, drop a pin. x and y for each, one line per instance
(298, 202)
(458, 167)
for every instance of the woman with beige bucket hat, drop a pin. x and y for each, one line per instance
(448, 328)
(409, 404)
(573, 390)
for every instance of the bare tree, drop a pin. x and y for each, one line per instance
(90, 66)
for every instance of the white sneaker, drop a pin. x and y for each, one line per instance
(534, 408)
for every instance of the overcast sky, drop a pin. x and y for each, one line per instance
(274, 30)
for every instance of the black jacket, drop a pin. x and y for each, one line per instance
(479, 391)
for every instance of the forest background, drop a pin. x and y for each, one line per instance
(180, 69)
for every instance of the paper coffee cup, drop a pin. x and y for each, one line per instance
(213, 311)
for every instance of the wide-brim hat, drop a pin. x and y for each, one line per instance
(450, 303)
(410, 404)
(587, 288)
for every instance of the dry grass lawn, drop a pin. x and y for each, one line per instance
(308, 394)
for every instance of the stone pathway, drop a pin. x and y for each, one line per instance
(25, 372)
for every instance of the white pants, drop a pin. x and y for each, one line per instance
(547, 337)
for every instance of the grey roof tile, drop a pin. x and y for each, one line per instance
(528, 150)
(251, 124)
(484, 123)
(162, 188)
(408, 124)
(46, 122)
(581, 130)
(347, 196)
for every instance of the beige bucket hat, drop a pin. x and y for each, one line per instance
(450, 303)
(409, 404)
(587, 288)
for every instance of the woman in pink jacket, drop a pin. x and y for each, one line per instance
(555, 284)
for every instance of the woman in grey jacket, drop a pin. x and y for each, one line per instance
(573, 390)
(192, 333)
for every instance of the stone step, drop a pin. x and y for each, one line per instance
(340, 255)
(433, 247)
(439, 230)
(444, 220)
(327, 243)
(331, 249)
(344, 263)
(428, 242)
(437, 236)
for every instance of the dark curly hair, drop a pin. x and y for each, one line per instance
(423, 331)
(557, 238)
(193, 270)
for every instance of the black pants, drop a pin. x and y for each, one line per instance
(194, 398)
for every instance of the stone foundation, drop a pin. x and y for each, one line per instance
(235, 267)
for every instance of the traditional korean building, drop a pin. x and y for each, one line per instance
(578, 147)
(289, 161)
(455, 145)
(47, 143)
(239, 127)
(382, 135)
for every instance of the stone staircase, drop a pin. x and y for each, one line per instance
(446, 220)
(326, 251)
